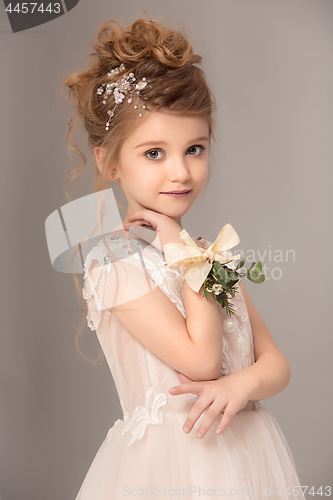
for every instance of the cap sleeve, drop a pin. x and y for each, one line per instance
(96, 267)
(111, 281)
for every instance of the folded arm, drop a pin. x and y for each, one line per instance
(269, 375)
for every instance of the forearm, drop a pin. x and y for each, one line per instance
(268, 376)
(203, 322)
(204, 327)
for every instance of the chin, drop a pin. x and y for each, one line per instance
(175, 215)
(173, 212)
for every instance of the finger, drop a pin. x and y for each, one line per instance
(196, 411)
(136, 226)
(228, 415)
(138, 230)
(143, 214)
(134, 215)
(149, 216)
(210, 417)
(138, 223)
(130, 225)
(191, 387)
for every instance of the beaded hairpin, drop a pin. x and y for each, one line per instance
(120, 89)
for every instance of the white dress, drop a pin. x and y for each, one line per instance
(147, 454)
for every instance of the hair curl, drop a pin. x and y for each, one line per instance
(148, 49)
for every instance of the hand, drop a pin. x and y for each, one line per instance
(167, 228)
(227, 394)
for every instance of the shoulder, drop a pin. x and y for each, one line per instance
(114, 248)
(118, 251)
(101, 251)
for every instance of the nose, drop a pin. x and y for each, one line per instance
(178, 169)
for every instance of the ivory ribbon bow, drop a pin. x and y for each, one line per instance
(195, 262)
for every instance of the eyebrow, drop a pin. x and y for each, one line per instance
(150, 143)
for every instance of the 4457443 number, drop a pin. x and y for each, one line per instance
(31, 7)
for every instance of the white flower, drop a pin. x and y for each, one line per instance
(217, 289)
(118, 96)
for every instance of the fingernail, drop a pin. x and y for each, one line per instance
(218, 431)
(172, 391)
(186, 429)
(199, 435)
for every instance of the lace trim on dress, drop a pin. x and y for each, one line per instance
(244, 332)
(100, 254)
(144, 415)
(125, 413)
(225, 358)
(238, 325)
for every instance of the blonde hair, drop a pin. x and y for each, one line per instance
(148, 49)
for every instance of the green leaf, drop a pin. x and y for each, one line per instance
(254, 276)
(231, 284)
(240, 264)
(258, 267)
(223, 274)
(233, 276)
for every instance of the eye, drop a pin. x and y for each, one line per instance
(153, 154)
(192, 150)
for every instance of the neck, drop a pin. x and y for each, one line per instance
(179, 222)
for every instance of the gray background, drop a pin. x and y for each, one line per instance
(269, 63)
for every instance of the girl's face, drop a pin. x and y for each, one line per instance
(165, 154)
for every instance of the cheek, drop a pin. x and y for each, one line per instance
(133, 173)
(150, 177)
(143, 181)
(202, 173)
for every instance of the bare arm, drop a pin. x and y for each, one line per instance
(269, 375)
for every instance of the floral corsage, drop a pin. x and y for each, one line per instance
(208, 268)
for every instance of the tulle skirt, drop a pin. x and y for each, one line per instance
(250, 459)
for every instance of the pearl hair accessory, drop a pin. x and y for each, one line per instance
(119, 89)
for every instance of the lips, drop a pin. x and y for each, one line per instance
(176, 192)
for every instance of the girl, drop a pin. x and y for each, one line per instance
(148, 112)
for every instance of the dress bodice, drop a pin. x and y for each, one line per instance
(142, 379)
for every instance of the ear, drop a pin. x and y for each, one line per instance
(100, 155)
